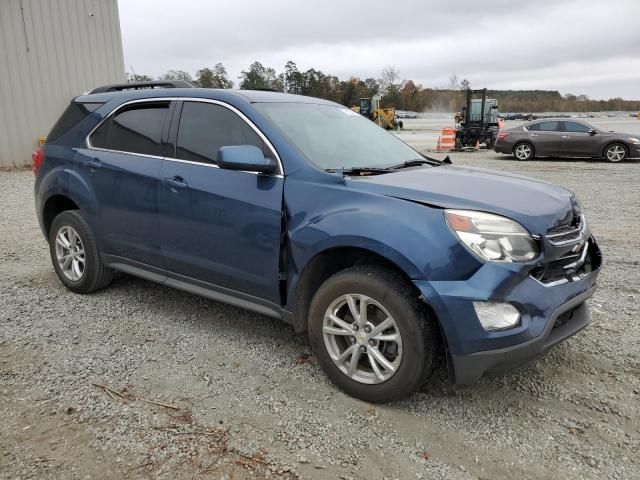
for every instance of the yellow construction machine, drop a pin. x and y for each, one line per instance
(383, 117)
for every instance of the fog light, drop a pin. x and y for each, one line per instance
(497, 316)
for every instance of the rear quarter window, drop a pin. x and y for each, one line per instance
(74, 113)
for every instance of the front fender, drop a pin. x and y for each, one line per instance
(412, 236)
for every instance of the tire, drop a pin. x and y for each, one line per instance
(615, 153)
(523, 151)
(91, 274)
(412, 358)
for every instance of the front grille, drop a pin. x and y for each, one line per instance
(565, 234)
(570, 267)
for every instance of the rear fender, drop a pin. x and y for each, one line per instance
(68, 182)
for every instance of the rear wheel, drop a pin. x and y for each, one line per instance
(75, 255)
(371, 335)
(523, 151)
(616, 152)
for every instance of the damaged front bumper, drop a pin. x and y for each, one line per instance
(550, 312)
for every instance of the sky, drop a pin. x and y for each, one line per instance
(589, 47)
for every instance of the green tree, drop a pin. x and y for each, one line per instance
(293, 78)
(215, 77)
(259, 77)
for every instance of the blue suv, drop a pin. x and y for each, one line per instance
(301, 209)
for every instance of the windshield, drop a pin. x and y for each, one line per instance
(333, 137)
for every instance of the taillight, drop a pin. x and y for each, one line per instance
(37, 158)
(503, 135)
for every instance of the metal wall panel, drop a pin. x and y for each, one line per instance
(50, 52)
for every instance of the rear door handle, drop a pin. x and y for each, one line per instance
(94, 163)
(176, 182)
(566, 136)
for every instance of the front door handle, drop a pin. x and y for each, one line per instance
(94, 163)
(533, 134)
(176, 182)
(566, 136)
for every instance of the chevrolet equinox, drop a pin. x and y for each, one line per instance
(303, 210)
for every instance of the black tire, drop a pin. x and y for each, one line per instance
(419, 334)
(615, 152)
(95, 274)
(520, 147)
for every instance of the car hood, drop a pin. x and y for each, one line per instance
(537, 205)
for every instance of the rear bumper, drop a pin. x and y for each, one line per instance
(565, 322)
(501, 147)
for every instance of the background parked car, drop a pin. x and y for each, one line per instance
(566, 138)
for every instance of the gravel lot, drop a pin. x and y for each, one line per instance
(249, 401)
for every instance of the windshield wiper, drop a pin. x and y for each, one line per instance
(422, 161)
(359, 170)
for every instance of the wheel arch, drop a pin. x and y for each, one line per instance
(60, 190)
(520, 142)
(329, 261)
(54, 206)
(613, 142)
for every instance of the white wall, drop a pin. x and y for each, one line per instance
(50, 52)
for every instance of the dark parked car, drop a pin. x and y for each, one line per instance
(300, 209)
(566, 138)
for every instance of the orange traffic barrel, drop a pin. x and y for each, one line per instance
(447, 140)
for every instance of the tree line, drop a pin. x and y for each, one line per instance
(403, 94)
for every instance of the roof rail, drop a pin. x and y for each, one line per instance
(118, 87)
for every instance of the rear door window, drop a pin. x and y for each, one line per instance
(549, 126)
(137, 129)
(205, 127)
(575, 127)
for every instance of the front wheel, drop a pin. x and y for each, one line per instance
(523, 151)
(616, 152)
(371, 335)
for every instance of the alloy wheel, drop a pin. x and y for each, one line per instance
(70, 253)
(362, 338)
(523, 151)
(616, 153)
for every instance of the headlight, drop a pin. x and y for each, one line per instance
(492, 237)
(634, 140)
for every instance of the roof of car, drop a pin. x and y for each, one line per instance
(558, 119)
(249, 96)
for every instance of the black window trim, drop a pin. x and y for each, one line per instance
(279, 173)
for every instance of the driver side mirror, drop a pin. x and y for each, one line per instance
(592, 132)
(244, 157)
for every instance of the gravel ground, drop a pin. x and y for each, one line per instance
(141, 381)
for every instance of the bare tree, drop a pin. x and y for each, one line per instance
(176, 75)
(453, 82)
(390, 78)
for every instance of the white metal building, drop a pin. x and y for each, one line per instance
(50, 52)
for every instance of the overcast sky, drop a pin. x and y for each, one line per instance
(587, 47)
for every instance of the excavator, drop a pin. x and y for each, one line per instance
(383, 117)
